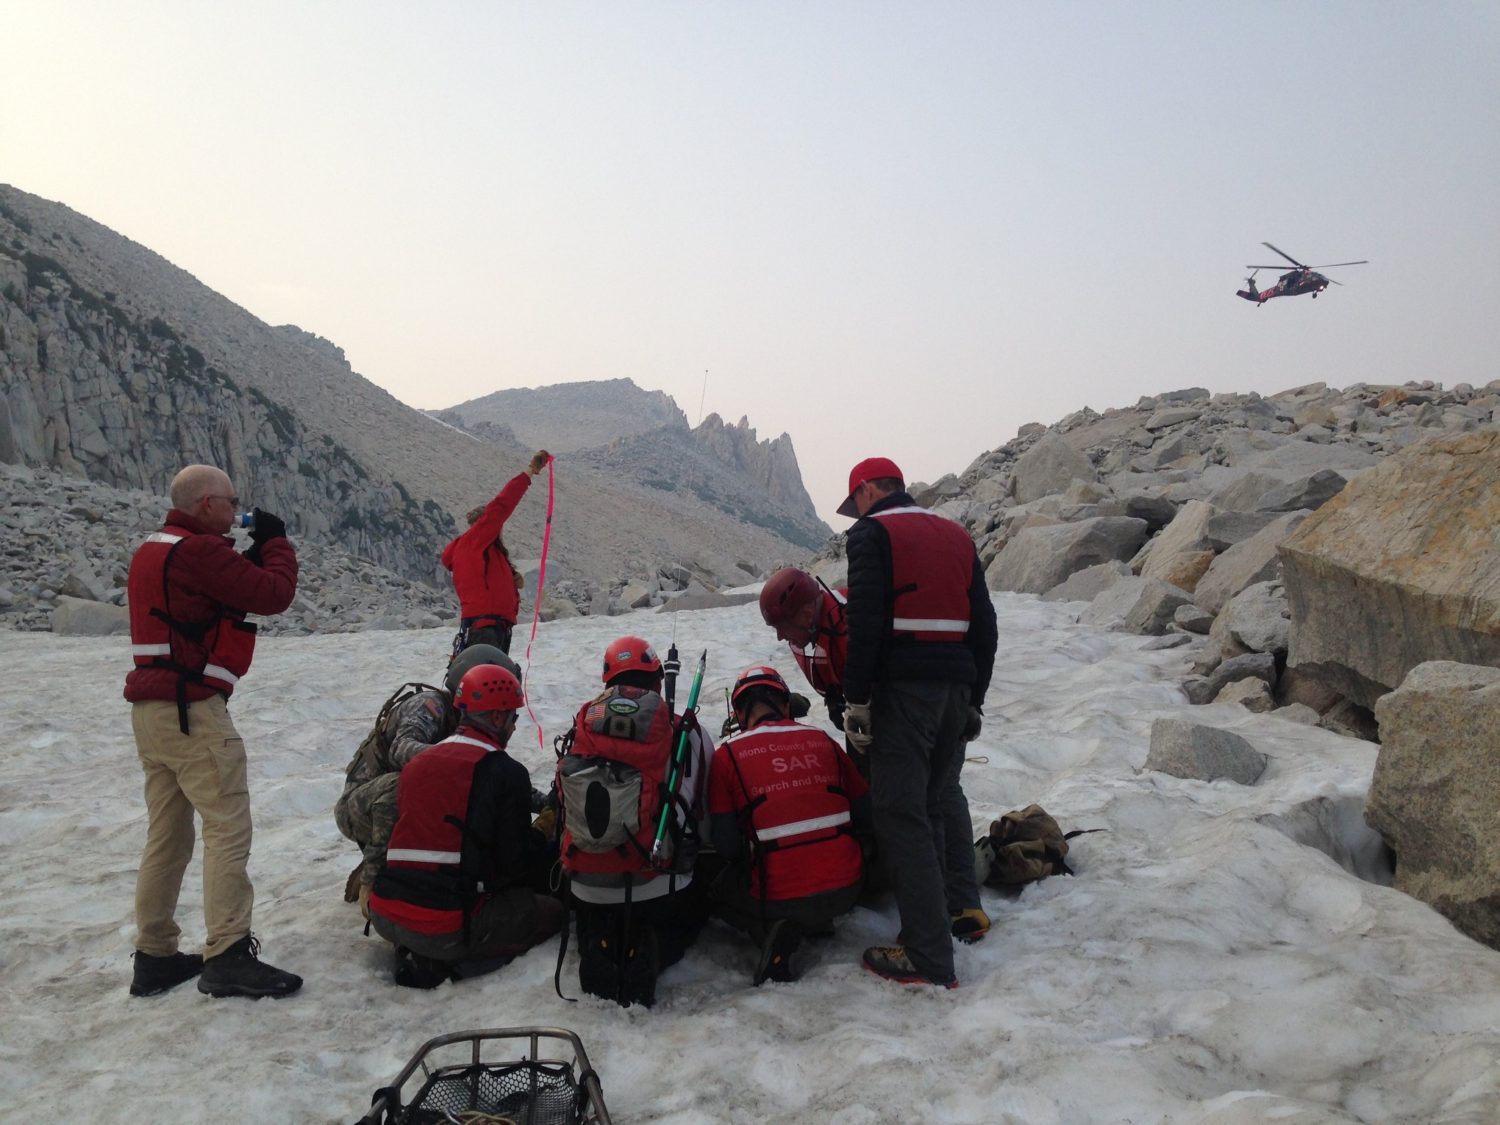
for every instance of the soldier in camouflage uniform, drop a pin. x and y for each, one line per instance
(416, 717)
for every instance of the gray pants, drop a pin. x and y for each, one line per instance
(921, 814)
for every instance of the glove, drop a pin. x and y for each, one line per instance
(546, 822)
(857, 726)
(835, 701)
(800, 705)
(973, 725)
(267, 527)
(538, 461)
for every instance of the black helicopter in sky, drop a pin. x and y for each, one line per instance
(1303, 279)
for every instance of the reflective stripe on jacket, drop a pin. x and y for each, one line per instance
(792, 787)
(931, 563)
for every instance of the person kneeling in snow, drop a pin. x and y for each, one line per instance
(416, 717)
(613, 774)
(784, 800)
(456, 893)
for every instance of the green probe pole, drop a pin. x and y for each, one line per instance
(659, 857)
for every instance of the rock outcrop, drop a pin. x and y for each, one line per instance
(627, 434)
(1435, 796)
(1401, 567)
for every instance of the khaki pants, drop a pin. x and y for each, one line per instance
(204, 772)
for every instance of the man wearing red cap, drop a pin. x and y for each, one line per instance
(922, 639)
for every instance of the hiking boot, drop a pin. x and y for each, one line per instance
(639, 971)
(239, 971)
(892, 963)
(970, 926)
(155, 975)
(415, 971)
(776, 953)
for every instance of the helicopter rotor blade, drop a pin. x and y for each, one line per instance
(1285, 255)
(1333, 265)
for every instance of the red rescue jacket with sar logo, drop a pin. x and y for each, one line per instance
(792, 787)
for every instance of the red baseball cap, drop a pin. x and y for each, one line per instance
(871, 468)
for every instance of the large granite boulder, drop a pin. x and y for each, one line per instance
(79, 617)
(1249, 561)
(1048, 467)
(1186, 535)
(1203, 753)
(1038, 558)
(1401, 567)
(1136, 605)
(1435, 796)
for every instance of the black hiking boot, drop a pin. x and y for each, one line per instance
(155, 975)
(415, 971)
(776, 952)
(641, 965)
(239, 971)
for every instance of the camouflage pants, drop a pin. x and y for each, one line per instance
(366, 813)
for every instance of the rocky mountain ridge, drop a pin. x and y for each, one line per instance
(117, 366)
(628, 433)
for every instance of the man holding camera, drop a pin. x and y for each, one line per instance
(189, 592)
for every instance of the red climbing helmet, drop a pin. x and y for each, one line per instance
(488, 688)
(759, 675)
(630, 654)
(785, 594)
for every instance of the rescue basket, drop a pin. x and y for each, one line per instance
(456, 1079)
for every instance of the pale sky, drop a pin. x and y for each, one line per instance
(885, 228)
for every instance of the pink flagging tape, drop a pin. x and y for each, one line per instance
(541, 583)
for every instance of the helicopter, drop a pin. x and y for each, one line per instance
(1303, 279)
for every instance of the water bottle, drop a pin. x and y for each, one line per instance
(244, 519)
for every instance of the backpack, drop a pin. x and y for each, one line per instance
(611, 779)
(1023, 847)
(374, 751)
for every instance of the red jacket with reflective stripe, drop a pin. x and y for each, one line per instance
(792, 787)
(482, 577)
(822, 662)
(205, 580)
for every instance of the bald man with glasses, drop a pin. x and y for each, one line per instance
(189, 593)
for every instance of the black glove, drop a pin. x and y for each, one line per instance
(834, 698)
(973, 724)
(266, 528)
(800, 706)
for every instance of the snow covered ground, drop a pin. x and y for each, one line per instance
(1210, 962)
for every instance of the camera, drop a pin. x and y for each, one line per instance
(244, 519)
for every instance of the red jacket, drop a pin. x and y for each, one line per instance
(823, 661)
(482, 575)
(792, 787)
(203, 580)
